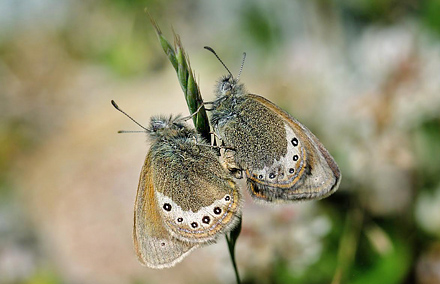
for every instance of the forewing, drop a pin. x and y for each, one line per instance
(154, 245)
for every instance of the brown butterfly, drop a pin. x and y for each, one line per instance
(185, 198)
(281, 159)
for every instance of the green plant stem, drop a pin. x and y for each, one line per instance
(348, 244)
(191, 91)
(232, 239)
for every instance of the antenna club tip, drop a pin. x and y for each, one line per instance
(209, 48)
(114, 104)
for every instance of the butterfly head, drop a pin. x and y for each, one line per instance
(167, 127)
(228, 86)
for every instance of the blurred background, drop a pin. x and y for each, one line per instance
(363, 75)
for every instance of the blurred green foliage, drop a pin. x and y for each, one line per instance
(430, 15)
(426, 143)
(44, 276)
(260, 27)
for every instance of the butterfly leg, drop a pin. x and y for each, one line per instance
(216, 136)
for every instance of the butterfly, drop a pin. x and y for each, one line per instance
(282, 160)
(185, 198)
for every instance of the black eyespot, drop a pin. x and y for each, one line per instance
(291, 170)
(294, 142)
(180, 219)
(260, 176)
(217, 210)
(167, 207)
(295, 157)
(194, 225)
(162, 244)
(272, 176)
(227, 198)
(206, 219)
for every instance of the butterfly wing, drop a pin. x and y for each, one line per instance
(197, 198)
(282, 159)
(306, 171)
(154, 245)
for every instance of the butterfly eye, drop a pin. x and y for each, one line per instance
(157, 124)
(154, 126)
(226, 86)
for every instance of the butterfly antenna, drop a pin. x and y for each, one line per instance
(131, 131)
(191, 115)
(132, 119)
(224, 65)
(242, 64)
